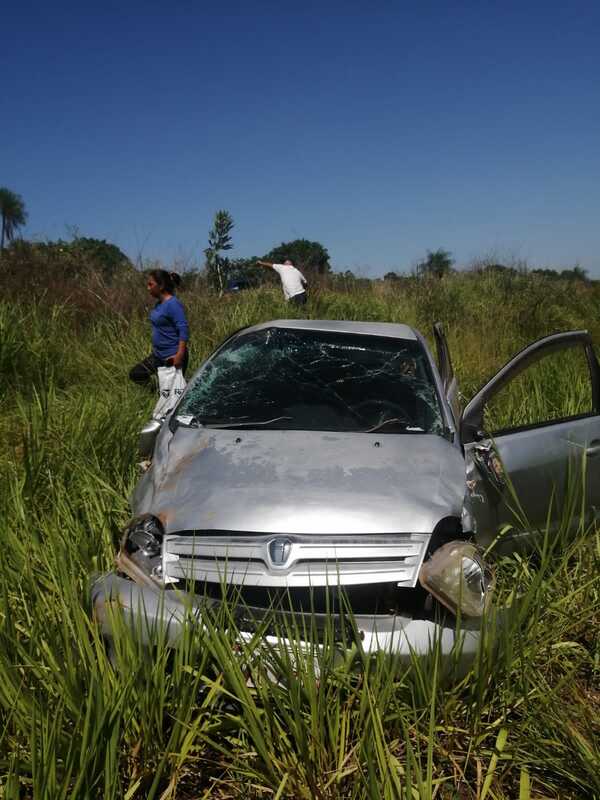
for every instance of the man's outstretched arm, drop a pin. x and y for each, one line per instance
(264, 263)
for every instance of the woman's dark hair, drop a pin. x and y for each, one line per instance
(167, 281)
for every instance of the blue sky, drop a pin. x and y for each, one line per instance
(379, 129)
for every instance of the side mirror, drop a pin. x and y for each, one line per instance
(148, 436)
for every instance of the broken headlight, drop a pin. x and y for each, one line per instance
(457, 575)
(142, 543)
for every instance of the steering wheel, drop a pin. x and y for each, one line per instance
(395, 409)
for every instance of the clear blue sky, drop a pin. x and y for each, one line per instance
(380, 129)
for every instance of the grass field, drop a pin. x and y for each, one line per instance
(524, 723)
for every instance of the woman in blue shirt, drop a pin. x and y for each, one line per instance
(170, 332)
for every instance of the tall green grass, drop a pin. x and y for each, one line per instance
(214, 718)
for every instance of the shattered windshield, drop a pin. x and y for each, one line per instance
(281, 378)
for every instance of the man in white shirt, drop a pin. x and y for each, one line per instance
(293, 281)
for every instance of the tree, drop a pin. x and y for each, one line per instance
(100, 254)
(545, 272)
(304, 255)
(219, 239)
(82, 257)
(578, 273)
(437, 264)
(14, 215)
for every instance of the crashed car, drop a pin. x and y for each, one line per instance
(308, 459)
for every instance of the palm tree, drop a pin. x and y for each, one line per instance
(14, 215)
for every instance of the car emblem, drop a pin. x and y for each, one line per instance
(279, 551)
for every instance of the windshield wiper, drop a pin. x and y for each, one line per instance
(406, 427)
(251, 424)
(192, 421)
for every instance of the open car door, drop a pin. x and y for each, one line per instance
(520, 470)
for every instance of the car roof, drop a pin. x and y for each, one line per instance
(392, 329)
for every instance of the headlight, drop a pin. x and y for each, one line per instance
(142, 542)
(458, 577)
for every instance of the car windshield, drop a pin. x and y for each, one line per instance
(281, 378)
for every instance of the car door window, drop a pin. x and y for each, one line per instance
(555, 388)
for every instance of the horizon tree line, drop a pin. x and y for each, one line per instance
(306, 255)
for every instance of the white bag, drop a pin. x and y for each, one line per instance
(171, 385)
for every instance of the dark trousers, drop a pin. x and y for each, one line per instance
(144, 372)
(298, 299)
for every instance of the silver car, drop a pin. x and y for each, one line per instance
(313, 460)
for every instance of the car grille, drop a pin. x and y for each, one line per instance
(294, 560)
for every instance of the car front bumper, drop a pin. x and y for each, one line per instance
(148, 611)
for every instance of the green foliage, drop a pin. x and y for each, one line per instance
(100, 254)
(500, 269)
(437, 264)
(13, 213)
(490, 265)
(219, 239)
(72, 260)
(305, 255)
(575, 274)
(347, 281)
(246, 269)
(210, 720)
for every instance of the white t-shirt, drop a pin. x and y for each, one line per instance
(291, 278)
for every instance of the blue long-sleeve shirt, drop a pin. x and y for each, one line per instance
(169, 327)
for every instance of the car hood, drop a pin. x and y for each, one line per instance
(302, 481)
